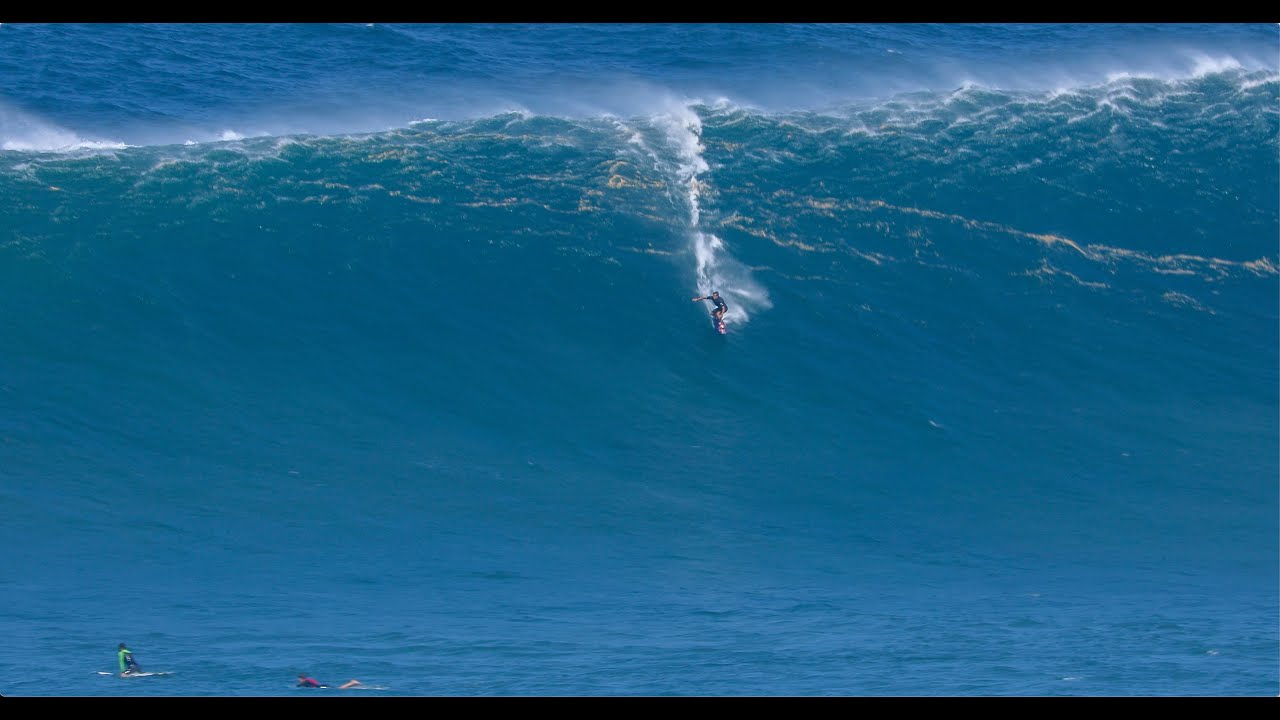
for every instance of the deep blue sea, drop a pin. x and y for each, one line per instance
(369, 351)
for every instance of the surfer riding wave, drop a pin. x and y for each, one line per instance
(721, 306)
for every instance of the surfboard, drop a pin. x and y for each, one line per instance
(134, 674)
(719, 325)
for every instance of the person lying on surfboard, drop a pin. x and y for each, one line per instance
(304, 681)
(721, 306)
(127, 663)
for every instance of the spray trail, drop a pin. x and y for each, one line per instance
(714, 267)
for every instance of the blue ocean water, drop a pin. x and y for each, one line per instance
(368, 351)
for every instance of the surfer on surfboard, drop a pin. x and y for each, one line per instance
(310, 682)
(127, 663)
(721, 306)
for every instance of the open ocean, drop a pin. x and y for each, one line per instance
(368, 351)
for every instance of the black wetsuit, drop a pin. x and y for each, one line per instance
(720, 304)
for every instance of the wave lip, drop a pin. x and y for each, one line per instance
(23, 132)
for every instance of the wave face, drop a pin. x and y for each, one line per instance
(368, 351)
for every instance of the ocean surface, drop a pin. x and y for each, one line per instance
(368, 351)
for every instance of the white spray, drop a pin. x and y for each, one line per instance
(714, 267)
